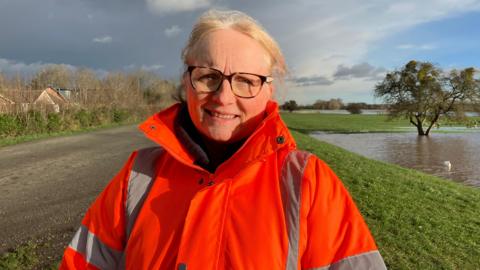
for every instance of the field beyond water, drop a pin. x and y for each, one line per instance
(343, 123)
(418, 221)
(355, 123)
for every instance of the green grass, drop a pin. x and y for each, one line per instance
(27, 256)
(418, 221)
(33, 137)
(343, 123)
(23, 257)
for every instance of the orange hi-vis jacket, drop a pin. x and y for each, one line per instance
(269, 206)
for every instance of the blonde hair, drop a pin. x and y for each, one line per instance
(231, 19)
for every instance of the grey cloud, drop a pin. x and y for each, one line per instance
(173, 6)
(172, 31)
(424, 47)
(104, 39)
(312, 80)
(68, 31)
(362, 70)
(10, 67)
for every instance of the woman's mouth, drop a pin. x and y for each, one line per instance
(221, 115)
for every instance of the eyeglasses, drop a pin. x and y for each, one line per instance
(209, 80)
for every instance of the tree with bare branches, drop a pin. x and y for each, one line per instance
(59, 76)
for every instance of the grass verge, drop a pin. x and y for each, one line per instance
(21, 258)
(31, 137)
(418, 221)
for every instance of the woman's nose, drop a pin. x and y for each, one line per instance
(224, 95)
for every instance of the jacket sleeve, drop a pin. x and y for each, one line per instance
(337, 237)
(100, 240)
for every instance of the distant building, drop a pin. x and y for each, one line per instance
(48, 99)
(5, 104)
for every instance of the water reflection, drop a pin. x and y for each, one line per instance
(427, 154)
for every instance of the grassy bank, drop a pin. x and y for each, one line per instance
(419, 221)
(31, 137)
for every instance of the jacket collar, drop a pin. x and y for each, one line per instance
(269, 136)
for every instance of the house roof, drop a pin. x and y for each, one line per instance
(5, 100)
(48, 95)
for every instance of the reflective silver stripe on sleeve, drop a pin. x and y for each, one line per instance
(139, 183)
(371, 260)
(290, 185)
(94, 250)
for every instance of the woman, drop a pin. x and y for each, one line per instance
(226, 188)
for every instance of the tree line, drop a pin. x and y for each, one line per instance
(332, 104)
(93, 99)
(90, 89)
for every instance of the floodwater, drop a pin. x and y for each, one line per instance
(428, 154)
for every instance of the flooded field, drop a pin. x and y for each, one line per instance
(455, 156)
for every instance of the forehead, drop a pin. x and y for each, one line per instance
(228, 49)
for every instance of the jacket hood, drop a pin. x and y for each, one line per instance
(271, 135)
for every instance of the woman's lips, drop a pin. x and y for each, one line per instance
(221, 115)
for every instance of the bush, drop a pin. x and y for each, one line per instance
(354, 108)
(54, 122)
(120, 115)
(84, 118)
(36, 122)
(9, 125)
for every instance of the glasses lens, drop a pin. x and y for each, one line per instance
(206, 79)
(246, 85)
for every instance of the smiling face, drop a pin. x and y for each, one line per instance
(221, 116)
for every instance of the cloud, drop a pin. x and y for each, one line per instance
(151, 68)
(104, 39)
(173, 6)
(312, 80)
(315, 32)
(11, 67)
(362, 70)
(416, 47)
(172, 31)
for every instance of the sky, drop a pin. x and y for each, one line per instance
(334, 49)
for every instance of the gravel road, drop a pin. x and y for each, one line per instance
(47, 185)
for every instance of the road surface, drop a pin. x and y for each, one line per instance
(47, 185)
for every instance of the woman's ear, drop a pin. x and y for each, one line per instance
(271, 89)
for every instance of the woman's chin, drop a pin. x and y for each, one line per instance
(222, 136)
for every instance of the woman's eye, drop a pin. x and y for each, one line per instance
(208, 77)
(244, 80)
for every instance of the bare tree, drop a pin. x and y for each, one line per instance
(52, 75)
(3, 81)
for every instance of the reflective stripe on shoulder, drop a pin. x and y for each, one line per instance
(139, 183)
(371, 260)
(291, 183)
(94, 250)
